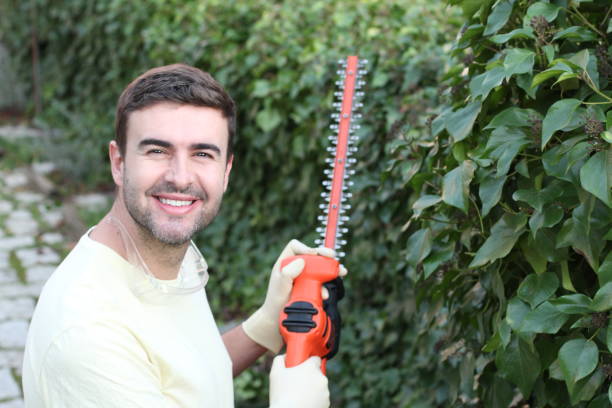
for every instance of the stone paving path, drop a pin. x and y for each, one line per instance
(31, 245)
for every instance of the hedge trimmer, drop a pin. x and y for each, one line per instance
(309, 324)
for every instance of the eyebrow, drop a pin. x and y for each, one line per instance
(155, 142)
(163, 143)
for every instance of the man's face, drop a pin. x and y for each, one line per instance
(174, 170)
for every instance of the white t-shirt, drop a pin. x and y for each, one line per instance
(96, 342)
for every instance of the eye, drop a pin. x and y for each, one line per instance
(155, 151)
(204, 154)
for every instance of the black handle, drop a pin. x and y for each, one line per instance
(336, 293)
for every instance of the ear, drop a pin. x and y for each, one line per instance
(228, 169)
(116, 161)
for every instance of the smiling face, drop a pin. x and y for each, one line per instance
(174, 169)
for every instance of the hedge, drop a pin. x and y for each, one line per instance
(511, 207)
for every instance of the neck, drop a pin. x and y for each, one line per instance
(162, 260)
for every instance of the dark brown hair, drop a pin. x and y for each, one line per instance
(177, 83)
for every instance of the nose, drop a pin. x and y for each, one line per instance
(179, 172)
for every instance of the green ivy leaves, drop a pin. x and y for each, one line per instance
(560, 115)
(519, 362)
(456, 183)
(577, 359)
(460, 122)
(535, 289)
(596, 176)
(602, 302)
(504, 235)
(541, 143)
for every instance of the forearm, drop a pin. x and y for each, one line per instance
(242, 350)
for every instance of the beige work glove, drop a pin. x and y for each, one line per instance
(302, 386)
(262, 326)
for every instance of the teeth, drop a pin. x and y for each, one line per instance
(175, 203)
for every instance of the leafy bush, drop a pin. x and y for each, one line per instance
(511, 219)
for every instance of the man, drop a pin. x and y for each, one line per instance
(124, 320)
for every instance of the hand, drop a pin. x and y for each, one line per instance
(302, 386)
(262, 326)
